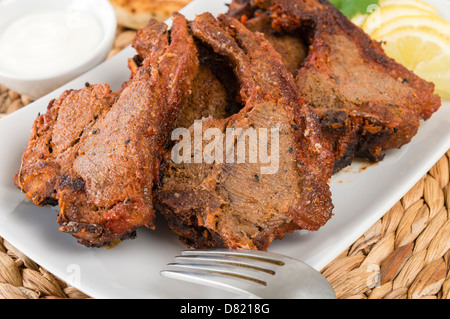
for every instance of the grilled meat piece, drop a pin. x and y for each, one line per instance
(98, 154)
(290, 46)
(214, 90)
(367, 102)
(231, 204)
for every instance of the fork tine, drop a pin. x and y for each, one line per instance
(215, 280)
(250, 272)
(240, 273)
(261, 256)
(228, 260)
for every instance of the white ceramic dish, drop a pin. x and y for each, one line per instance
(131, 270)
(37, 86)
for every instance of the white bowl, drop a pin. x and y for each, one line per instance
(37, 86)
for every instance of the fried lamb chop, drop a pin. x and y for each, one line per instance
(97, 154)
(235, 205)
(367, 102)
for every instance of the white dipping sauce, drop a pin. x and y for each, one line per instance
(48, 42)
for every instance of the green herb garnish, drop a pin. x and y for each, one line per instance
(352, 7)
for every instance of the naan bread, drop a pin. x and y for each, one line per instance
(135, 14)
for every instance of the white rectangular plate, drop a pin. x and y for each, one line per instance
(131, 270)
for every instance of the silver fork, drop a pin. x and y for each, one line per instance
(257, 274)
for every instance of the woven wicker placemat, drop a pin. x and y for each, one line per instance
(405, 254)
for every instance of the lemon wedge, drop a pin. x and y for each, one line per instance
(416, 3)
(385, 14)
(423, 50)
(433, 22)
(359, 19)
